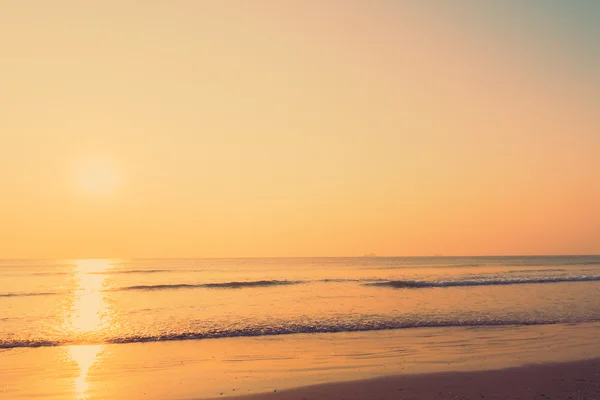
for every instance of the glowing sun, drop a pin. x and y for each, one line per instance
(97, 176)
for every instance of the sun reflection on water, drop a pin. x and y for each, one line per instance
(85, 357)
(88, 317)
(89, 310)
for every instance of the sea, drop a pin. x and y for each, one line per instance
(54, 303)
(279, 305)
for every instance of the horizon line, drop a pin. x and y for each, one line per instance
(290, 257)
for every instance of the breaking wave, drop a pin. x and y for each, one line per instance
(224, 285)
(284, 329)
(410, 284)
(28, 294)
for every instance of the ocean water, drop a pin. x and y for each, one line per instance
(92, 302)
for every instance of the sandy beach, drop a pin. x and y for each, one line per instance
(572, 380)
(425, 363)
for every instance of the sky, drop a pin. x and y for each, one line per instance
(299, 128)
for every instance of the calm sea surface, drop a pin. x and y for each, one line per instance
(62, 302)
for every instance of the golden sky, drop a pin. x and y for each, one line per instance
(297, 128)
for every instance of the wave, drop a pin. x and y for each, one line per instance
(10, 344)
(285, 329)
(25, 274)
(462, 265)
(552, 262)
(224, 285)
(28, 294)
(397, 284)
(515, 271)
(408, 284)
(51, 273)
(419, 266)
(251, 284)
(134, 271)
(597, 262)
(527, 263)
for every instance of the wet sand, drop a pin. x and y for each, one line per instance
(419, 363)
(571, 380)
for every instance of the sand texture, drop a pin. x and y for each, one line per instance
(573, 380)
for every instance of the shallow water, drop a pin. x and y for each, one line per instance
(195, 369)
(49, 303)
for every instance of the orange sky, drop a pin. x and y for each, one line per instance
(282, 128)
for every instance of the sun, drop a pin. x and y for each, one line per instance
(97, 176)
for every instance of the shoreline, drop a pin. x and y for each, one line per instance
(565, 380)
(365, 365)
